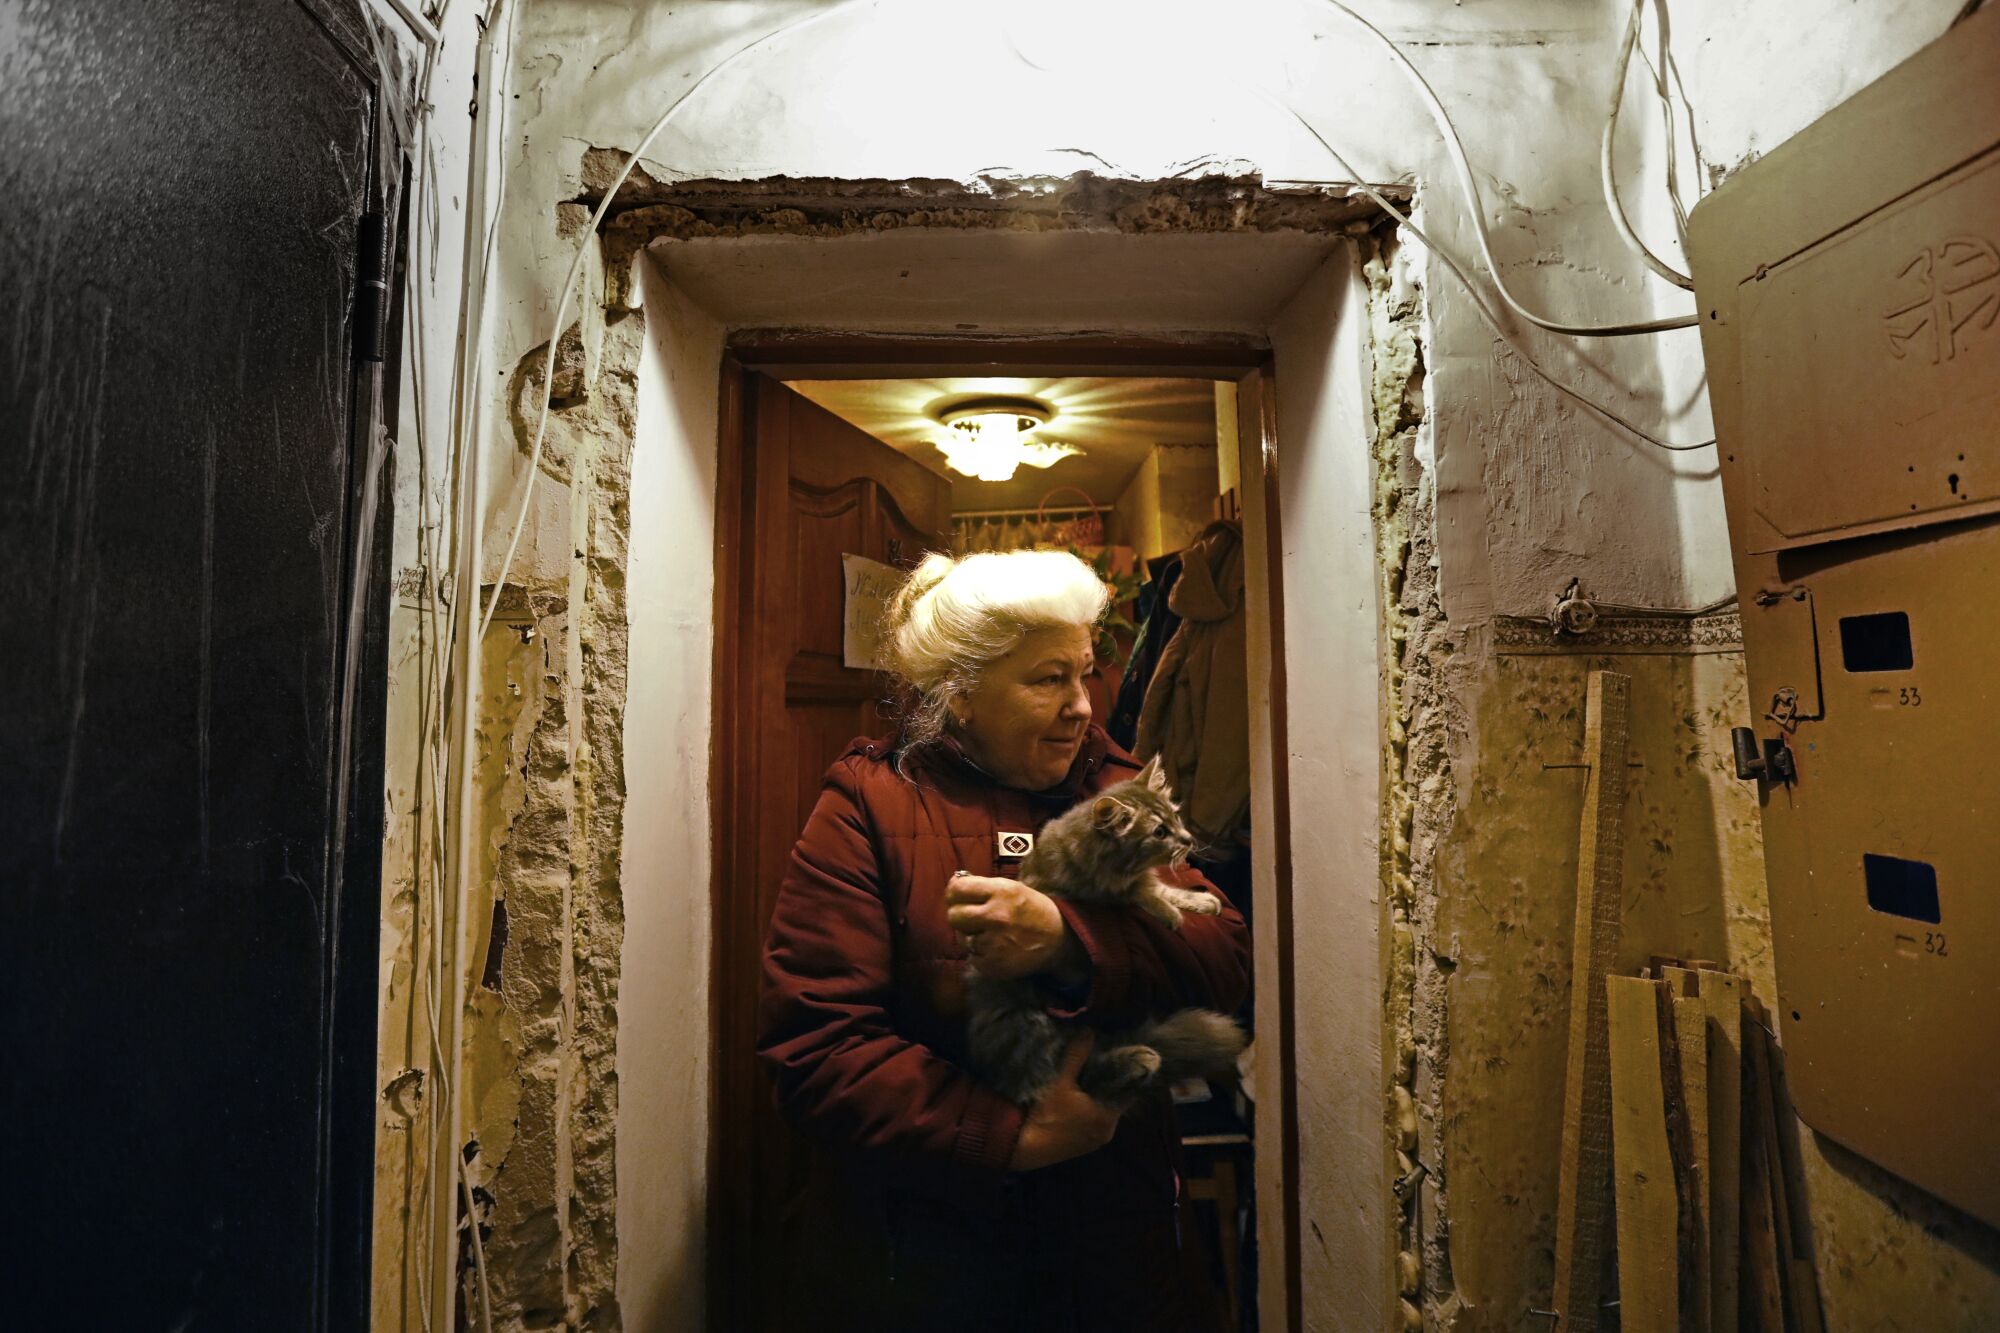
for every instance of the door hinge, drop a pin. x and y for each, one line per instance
(371, 288)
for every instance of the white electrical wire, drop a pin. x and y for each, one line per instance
(436, 681)
(1477, 205)
(469, 403)
(1607, 171)
(1689, 612)
(1471, 289)
(583, 249)
(435, 684)
(424, 876)
(1670, 120)
(1460, 162)
(431, 689)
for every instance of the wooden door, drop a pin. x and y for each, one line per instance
(808, 489)
(191, 703)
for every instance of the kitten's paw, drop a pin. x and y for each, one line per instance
(1139, 1063)
(1193, 901)
(1120, 1074)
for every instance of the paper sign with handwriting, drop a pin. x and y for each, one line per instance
(869, 586)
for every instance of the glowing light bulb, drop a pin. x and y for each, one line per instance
(992, 446)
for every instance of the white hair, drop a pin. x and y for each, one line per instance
(953, 619)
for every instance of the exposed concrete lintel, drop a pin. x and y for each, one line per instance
(828, 206)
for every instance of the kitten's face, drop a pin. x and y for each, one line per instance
(1139, 815)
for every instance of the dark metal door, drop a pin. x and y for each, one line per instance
(190, 815)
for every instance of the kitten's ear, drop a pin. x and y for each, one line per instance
(1104, 812)
(1153, 775)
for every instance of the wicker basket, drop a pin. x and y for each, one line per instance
(1086, 529)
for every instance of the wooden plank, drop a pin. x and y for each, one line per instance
(1767, 1268)
(1642, 1160)
(1583, 1188)
(1762, 1300)
(1788, 1205)
(1691, 1040)
(1761, 1104)
(1722, 997)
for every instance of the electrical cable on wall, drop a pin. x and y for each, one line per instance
(1575, 612)
(1458, 156)
(1608, 173)
(1478, 299)
(583, 249)
(1477, 204)
(1669, 69)
(430, 731)
(469, 405)
(436, 682)
(404, 128)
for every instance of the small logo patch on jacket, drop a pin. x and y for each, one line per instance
(1013, 846)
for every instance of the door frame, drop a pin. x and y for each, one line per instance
(782, 353)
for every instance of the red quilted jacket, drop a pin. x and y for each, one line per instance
(862, 1007)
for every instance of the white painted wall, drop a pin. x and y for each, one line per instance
(663, 1036)
(1333, 693)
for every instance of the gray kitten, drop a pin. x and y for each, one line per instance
(1105, 850)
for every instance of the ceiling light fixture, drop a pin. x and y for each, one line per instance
(987, 438)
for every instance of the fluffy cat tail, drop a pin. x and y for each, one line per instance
(1193, 1043)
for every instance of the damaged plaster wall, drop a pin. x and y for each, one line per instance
(1480, 848)
(1526, 480)
(1492, 494)
(540, 1072)
(1481, 842)
(1421, 722)
(834, 101)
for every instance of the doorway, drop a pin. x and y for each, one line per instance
(1294, 307)
(831, 463)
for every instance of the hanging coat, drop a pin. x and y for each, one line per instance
(1197, 712)
(1157, 623)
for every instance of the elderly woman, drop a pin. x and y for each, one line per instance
(957, 1209)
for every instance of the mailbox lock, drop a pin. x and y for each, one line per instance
(1773, 764)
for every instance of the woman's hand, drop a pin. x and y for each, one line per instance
(1010, 929)
(1067, 1122)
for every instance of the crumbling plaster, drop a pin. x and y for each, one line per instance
(1507, 489)
(540, 1038)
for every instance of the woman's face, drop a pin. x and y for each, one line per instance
(1025, 720)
